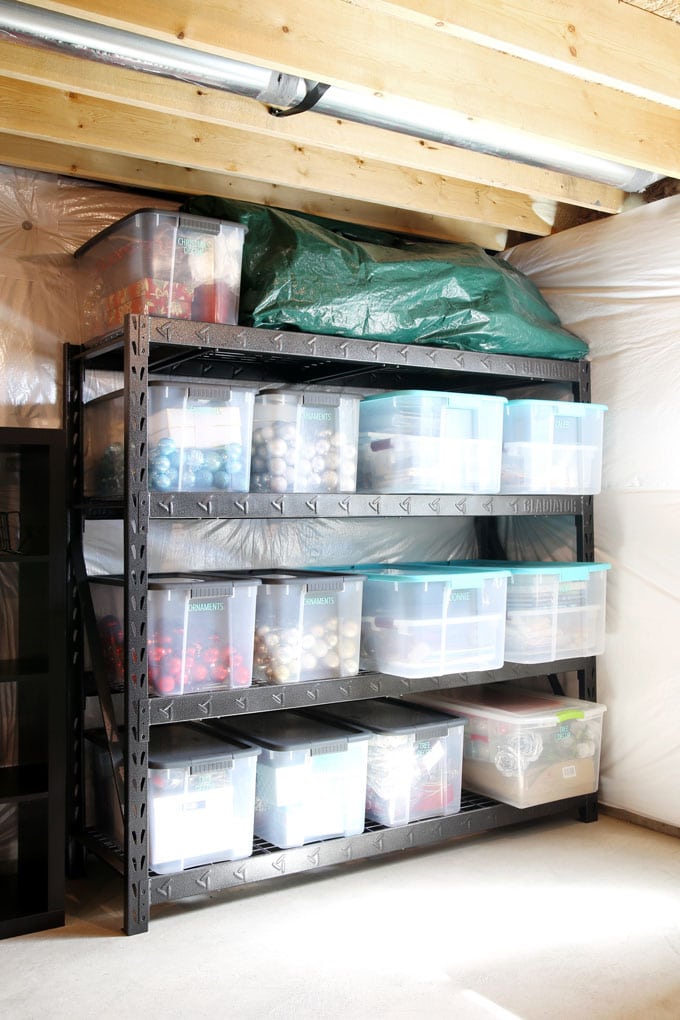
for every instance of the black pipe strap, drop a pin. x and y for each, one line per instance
(315, 90)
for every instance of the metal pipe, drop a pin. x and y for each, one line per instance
(91, 41)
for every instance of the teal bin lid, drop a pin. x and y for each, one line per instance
(564, 407)
(461, 399)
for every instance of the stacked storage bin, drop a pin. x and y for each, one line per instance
(311, 776)
(201, 796)
(156, 262)
(552, 447)
(199, 439)
(421, 621)
(305, 440)
(414, 758)
(523, 747)
(200, 632)
(429, 441)
(307, 626)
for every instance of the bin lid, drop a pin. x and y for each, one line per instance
(386, 715)
(314, 579)
(510, 704)
(577, 571)
(186, 221)
(289, 731)
(188, 745)
(453, 399)
(452, 576)
(561, 407)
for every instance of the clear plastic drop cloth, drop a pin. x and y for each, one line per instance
(616, 282)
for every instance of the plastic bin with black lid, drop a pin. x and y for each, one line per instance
(199, 631)
(414, 758)
(201, 796)
(311, 776)
(159, 262)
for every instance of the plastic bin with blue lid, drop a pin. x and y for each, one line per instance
(552, 447)
(199, 634)
(311, 776)
(201, 799)
(418, 622)
(159, 262)
(307, 626)
(524, 747)
(414, 758)
(553, 610)
(430, 441)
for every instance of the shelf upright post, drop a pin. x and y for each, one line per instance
(135, 535)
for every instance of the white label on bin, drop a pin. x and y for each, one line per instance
(289, 785)
(569, 772)
(200, 426)
(185, 826)
(432, 755)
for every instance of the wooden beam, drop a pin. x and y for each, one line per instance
(89, 164)
(369, 50)
(151, 92)
(595, 41)
(40, 112)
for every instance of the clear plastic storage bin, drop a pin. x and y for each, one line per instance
(199, 632)
(201, 796)
(426, 441)
(304, 441)
(433, 622)
(161, 263)
(522, 747)
(198, 439)
(104, 447)
(553, 610)
(553, 447)
(311, 776)
(414, 758)
(307, 626)
(199, 436)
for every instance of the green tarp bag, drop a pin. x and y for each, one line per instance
(318, 276)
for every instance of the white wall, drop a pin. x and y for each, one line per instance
(616, 283)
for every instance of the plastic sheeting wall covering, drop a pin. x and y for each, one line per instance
(616, 283)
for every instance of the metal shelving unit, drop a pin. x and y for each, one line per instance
(148, 346)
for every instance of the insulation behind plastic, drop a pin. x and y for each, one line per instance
(616, 282)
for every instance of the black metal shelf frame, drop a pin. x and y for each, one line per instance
(150, 345)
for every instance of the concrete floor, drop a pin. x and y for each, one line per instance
(555, 920)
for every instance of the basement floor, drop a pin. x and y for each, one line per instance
(555, 920)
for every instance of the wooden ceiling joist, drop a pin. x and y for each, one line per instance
(75, 119)
(151, 92)
(72, 161)
(376, 51)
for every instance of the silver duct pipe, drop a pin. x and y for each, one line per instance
(91, 41)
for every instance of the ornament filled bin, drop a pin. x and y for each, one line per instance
(307, 626)
(523, 747)
(311, 776)
(552, 447)
(199, 436)
(198, 439)
(427, 441)
(414, 758)
(305, 441)
(199, 634)
(201, 799)
(156, 262)
(421, 622)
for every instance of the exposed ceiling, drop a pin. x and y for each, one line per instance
(598, 78)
